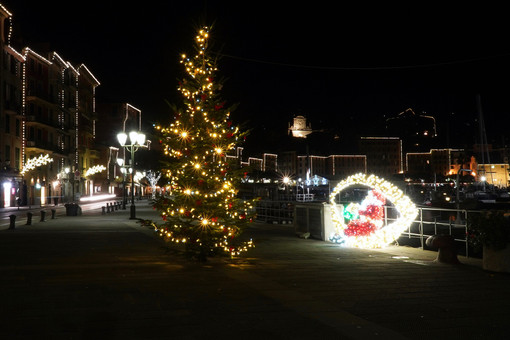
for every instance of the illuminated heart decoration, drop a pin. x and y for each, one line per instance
(371, 237)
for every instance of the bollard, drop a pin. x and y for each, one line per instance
(29, 218)
(13, 221)
(107, 207)
(445, 245)
(116, 206)
(53, 211)
(43, 214)
(103, 210)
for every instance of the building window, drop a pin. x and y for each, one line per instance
(17, 157)
(7, 153)
(7, 124)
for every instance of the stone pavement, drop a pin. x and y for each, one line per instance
(104, 276)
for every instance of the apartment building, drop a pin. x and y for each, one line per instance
(494, 174)
(342, 166)
(48, 122)
(11, 99)
(115, 118)
(58, 120)
(384, 155)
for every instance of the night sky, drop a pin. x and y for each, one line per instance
(342, 66)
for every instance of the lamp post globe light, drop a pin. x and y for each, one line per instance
(136, 141)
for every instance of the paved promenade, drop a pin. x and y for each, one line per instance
(104, 276)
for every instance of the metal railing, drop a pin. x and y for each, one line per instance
(279, 212)
(305, 197)
(429, 221)
(435, 221)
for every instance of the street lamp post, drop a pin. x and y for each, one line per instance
(66, 181)
(120, 162)
(137, 140)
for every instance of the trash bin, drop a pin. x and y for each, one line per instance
(12, 223)
(29, 218)
(72, 209)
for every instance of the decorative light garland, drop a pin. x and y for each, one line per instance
(33, 163)
(94, 170)
(371, 236)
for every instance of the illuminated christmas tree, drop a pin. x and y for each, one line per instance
(202, 211)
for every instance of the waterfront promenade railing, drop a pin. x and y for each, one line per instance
(435, 221)
(312, 217)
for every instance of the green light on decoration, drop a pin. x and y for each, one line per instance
(351, 211)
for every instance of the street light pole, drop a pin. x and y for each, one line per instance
(137, 140)
(120, 162)
(66, 181)
(133, 208)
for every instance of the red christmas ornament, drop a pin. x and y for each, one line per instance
(359, 228)
(374, 212)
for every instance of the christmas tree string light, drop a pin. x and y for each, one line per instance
(202, 210)
(365, 228)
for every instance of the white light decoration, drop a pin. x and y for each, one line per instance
(33, 163)
(139, 176)
(384, 235)
(94, 170)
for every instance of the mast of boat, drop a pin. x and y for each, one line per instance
(484, 148)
